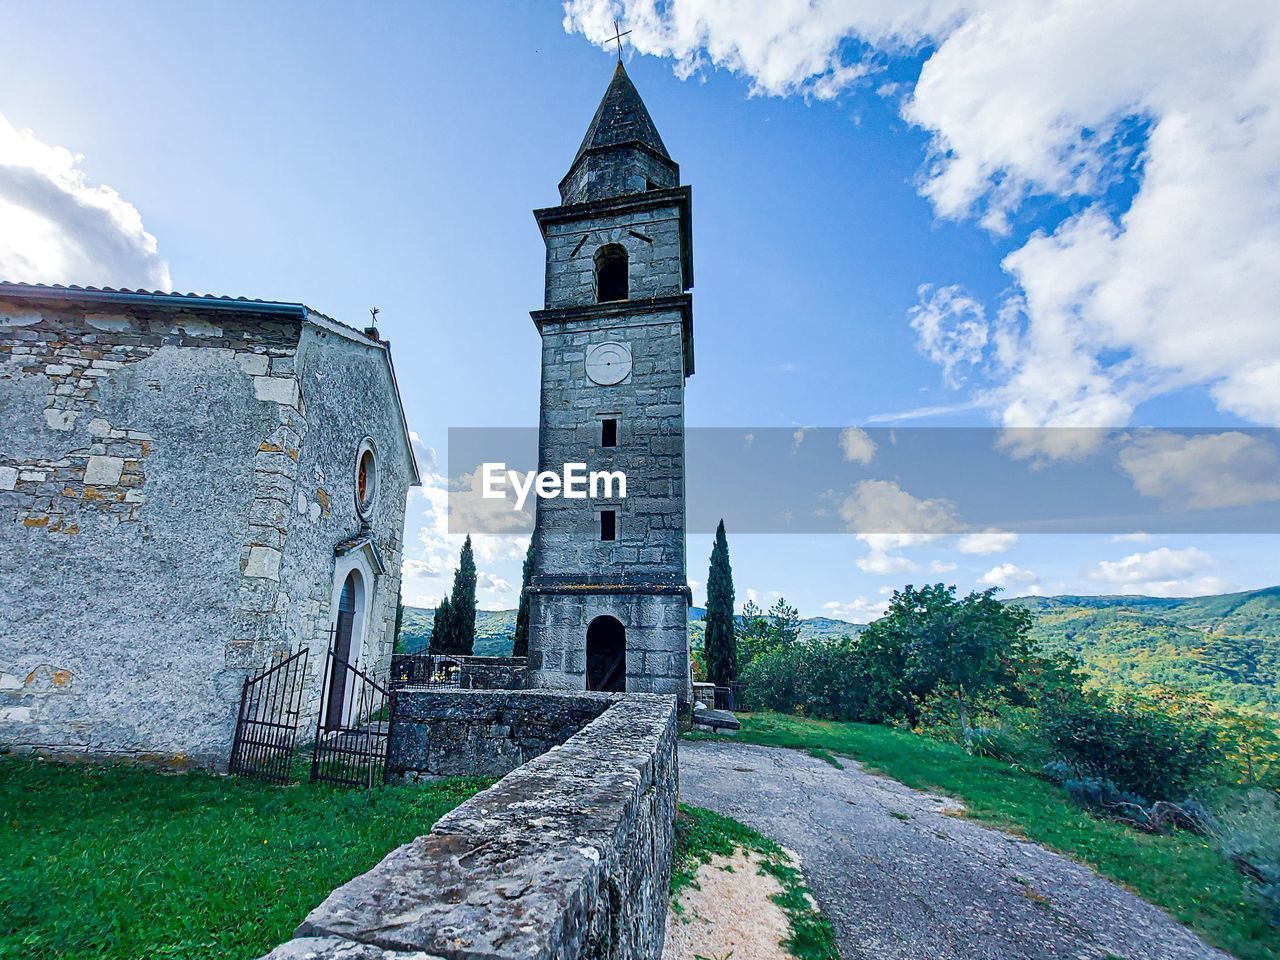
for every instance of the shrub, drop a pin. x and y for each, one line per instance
(1248, 832)
(997, 743)
(1101, 794)
(1106, 799)
(841, 679)
(1140, 751)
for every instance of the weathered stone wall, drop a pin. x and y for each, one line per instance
(483, 732)
(657, 640)
(649, 232)
(568, 856)
(495, 673)
(128, 465)
(623, 170)
(152, 552)
(347, 387)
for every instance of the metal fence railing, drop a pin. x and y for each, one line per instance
(425, 670)
(726, 698)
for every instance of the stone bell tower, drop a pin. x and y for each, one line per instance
(608, 597)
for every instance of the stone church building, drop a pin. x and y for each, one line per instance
(189, 486)
(609, 597)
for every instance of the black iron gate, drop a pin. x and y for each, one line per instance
(267, 726)
(353, 729)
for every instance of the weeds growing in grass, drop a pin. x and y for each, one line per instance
(702, 834)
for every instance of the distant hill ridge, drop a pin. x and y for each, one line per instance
(1226, 646)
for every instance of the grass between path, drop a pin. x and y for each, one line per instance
(702, 834)
(123, 861)
(1183, 874)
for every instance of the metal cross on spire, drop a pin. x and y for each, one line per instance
(618, 34)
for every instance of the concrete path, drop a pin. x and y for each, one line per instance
(901, 879)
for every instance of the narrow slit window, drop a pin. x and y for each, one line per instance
(608, 525)
(609, 432)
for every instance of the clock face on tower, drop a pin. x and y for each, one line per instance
(608, 363)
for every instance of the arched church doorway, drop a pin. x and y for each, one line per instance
(607, 655)
(343, 635)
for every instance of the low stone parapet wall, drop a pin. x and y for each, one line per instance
(483, 732)
(568, 856)
(495, 673)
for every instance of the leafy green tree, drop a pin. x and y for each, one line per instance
(444, 629)
(762, 632)
(752, 634)
(964, 649)
(395, 641)
(784, 622)
(719, 644)
(520, 642)
(463, 600)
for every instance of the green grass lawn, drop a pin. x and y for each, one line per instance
(122, 861)
(1183, 874)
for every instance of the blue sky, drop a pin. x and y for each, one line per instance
(390, 156)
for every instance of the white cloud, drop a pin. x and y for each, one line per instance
(886, 516)
(1136, 537)
(941, 566)
(860, 610)
(951, 330)
(987, 541)
(1120, 300)
(1201, 471)
(58, 227)
(1010, 577)
(1163, 572)
(882, 563)
(763, 599)
(857, 445)
(495, 593)
(428, 568)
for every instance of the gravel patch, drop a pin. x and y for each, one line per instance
(728, 913)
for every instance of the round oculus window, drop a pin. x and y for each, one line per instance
(366, 478)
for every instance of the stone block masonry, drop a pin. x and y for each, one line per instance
(566, 857)
(175, 476)
(494, 673)
(483, 732)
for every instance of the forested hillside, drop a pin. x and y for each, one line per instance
(1226, 647)
(494, 629)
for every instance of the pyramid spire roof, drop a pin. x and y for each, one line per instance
(621, 118)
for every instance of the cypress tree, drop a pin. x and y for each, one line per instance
(464, 601)
(520, 642)
(396, 646)
(719, 645)
(442, 628)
